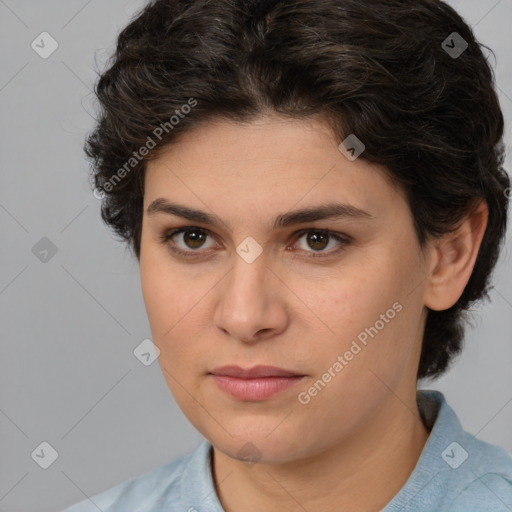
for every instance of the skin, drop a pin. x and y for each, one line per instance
(354, 445)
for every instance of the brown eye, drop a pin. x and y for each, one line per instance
(192, 243)
(194, 238)
(318, 240)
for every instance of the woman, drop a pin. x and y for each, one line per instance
(315, 194)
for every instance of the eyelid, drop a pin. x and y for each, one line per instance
(341, 238)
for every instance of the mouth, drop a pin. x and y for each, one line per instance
(254, 384)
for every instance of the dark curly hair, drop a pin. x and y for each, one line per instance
(384, 70)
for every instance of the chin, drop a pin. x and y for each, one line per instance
(255, 445)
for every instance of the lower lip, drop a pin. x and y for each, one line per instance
(254, 389)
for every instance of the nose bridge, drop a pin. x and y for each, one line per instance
(249, 276)
(247, 304)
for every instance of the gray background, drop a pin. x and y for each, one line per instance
(68, 375)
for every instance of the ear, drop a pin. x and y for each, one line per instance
(454, 257)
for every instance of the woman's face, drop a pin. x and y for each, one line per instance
(347, 315)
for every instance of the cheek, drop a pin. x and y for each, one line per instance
(174, 306)
(164, 289)
(353, 302)
(156, 294)
(169, 314)
(370, 315)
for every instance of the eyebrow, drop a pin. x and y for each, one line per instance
(283, 220)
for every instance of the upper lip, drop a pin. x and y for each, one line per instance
(254, 372)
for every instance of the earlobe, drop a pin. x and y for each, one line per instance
(454, 259)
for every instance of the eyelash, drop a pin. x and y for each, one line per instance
(165, 239)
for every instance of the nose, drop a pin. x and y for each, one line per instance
(251, 306)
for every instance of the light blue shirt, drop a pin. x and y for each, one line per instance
(456, 472)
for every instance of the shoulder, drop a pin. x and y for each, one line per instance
(484, 479)
(490, 491)
(140, 492)
(487, 481)
(456, 472)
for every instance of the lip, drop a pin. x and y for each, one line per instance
(254, 384)
(254, 372)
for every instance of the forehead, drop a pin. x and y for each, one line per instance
(268, 165)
